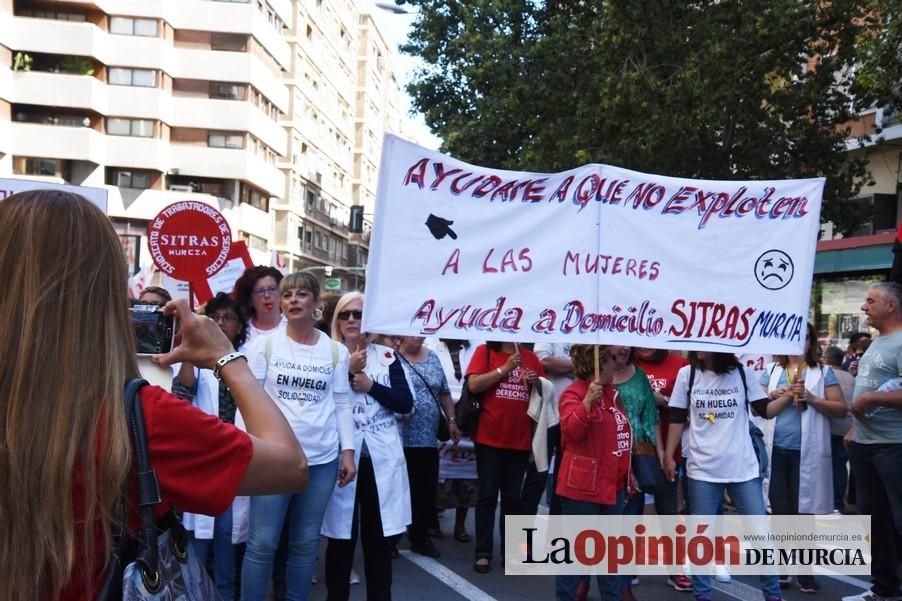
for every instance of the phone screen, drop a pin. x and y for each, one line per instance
(154, 332)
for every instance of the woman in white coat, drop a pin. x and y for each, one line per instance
(204, 391)
(378, 502)
(805, 395)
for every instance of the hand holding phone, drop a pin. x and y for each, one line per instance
(201, 341)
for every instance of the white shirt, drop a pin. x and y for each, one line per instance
(253, 332)
(311, 393)
(720, 448)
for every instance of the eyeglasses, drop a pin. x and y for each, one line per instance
(346, 315)
(227, 317)
(267, 291)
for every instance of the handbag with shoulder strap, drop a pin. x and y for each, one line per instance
(158, 562)
(443, 432)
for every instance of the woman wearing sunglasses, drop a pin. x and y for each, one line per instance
(201, 388)
(257, 290)
(377, 504)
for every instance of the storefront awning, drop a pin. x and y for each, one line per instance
(861, 253)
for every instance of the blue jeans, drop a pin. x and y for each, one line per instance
(224, 554)
(840, 472)
(267, 514)
(608, 586)
(706, 499)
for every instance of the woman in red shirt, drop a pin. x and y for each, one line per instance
(504, 374)
(596, 439)
(68, 349)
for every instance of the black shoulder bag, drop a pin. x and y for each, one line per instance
(469, 406)
(158, 562)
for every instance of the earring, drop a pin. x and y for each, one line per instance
(318, 314)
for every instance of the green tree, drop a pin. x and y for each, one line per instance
(741, 89)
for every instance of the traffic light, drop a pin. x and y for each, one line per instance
(356, 225)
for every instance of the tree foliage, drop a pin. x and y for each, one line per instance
(716, 89)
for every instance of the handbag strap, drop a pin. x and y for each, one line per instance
(428, 387)
(148, 485)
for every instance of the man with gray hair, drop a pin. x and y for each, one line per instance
(875, 452)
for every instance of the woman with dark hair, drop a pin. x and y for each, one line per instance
(714, 393)
(201, 388)
(257, 290)
(804, 395)
(596, 442)
(504, 375)
(62, 408)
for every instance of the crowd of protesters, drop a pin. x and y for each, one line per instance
(356, 421)
(373, 406)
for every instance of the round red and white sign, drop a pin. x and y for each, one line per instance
(189, 240)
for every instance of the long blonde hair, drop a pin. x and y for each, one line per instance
(66, 350)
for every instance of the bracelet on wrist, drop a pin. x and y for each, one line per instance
(500, 373)
(217, 368)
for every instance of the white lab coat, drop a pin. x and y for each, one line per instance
(378, 426)
(816, 467)
(543, 409)
(207, 400)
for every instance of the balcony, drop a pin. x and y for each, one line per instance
(234, 115)
(58, 89)
(216, 65)
(143, 205)
(57, 37)
(137, 153)
(238, 164)
(59, 142)
(231, 17)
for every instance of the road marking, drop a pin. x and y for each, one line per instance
(460, 585)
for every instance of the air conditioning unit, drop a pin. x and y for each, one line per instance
(181, 188)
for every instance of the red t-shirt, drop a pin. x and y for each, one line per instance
(199, 459)
(503, 423)
(662, 376)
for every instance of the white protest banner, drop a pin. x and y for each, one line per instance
(598, 254)
(9, 186)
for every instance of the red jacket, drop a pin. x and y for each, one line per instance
(596, 446)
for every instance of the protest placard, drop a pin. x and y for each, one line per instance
(598, 254)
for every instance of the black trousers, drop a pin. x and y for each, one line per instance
(422, 472)
(535, 482)
(377, 560)
(878, 478)
(499, 470)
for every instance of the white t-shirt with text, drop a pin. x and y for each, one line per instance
(313, 395)
(720, 448)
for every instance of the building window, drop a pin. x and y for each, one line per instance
(41, 166)
(145, 78)
(127, 178)
(227, 91)
(254, 197)
(52, 14)
(133, 26)
(141, 128)
(225, 140)
(229, 42)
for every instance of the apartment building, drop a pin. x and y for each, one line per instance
(249, 105)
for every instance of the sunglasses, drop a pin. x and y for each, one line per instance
(346, 315)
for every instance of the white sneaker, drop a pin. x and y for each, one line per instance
(634, 581)
(871, 596)
(355, 579)
(721, 574)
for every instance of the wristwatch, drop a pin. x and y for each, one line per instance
(217, 369)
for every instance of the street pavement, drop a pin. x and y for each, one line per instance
(451, 578)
